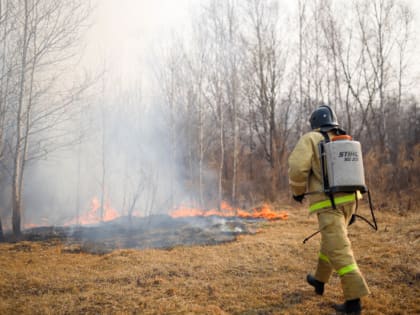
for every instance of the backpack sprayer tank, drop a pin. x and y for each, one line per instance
(344, 165)
(342, 171)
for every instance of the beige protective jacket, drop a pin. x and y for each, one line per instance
(304, 167)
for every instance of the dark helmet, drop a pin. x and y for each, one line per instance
(324, 118)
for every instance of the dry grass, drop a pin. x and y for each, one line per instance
(257, 274)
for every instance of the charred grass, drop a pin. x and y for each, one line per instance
(256, 274)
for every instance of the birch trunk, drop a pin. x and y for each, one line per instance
(222, 154)
(18, 153)
(103, 177)
(201, 151)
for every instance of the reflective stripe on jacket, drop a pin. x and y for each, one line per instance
(338, 200)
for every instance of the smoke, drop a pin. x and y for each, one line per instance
(124, 157)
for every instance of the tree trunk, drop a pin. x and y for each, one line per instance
(16, 199)
(273, 150)
(201, 150)
(251, 144)
(173, 139)
(235, 153)
(18, 156)
(300, 66)
(102, 209)
(1, 232)
(222, 154)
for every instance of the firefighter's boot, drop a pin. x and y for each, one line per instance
(353, 307)
(318, 285)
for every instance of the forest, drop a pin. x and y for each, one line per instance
(217, 115)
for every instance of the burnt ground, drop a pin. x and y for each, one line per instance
(156, 231)
(258, 273)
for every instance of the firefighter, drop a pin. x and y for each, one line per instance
(334, 213)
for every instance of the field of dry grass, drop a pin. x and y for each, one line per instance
(257, 274)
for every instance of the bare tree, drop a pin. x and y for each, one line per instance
(301, 15)
(46, 33)
(4, 79)
(196, 105)
(214, 29)
(103, 141)
(233, 86)
(267, 61)
(405, 20)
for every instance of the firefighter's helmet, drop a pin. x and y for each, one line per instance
(323, 118)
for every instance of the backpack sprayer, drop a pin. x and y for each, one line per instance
(342, 171)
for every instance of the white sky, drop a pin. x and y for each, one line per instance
(126, 32)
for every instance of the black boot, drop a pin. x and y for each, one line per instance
(318, 285)
(353, 307)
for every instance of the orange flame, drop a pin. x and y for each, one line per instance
(29, 225)
(94, 216)
(263, 212)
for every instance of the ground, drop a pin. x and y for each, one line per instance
(262, 273)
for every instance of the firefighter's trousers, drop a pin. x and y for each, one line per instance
(336, 253)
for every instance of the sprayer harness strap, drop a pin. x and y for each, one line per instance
(328, 204)
(325, 181)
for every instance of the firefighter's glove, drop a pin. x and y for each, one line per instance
(299, 198)
(352, 219)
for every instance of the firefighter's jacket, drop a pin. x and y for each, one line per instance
(305, 173)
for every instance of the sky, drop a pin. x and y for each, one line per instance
(126, 33)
